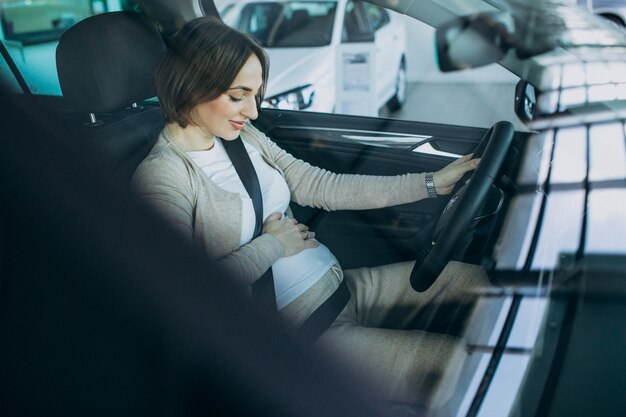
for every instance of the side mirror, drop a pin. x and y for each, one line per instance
(525, 100)
(473, 41)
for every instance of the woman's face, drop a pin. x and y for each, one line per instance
(227, 115)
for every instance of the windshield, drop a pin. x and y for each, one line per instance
(291, 24)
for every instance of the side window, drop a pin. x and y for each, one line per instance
(30, 31)
(7, 76)
(378, 16)
(285, 25)
(356, 25)
(356, 58)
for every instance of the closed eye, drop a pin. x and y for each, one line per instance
(235, 99)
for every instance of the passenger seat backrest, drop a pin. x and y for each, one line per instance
(106, 65)
(299, 18)
(107, 61)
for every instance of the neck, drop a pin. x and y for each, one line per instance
(191, 138)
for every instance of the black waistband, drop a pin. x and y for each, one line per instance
(324, 315)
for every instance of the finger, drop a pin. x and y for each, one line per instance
(472, 164)
(466, 167)
(305, 235)
(274, 216)
(303, 227)
(311, 243)
(462, 159)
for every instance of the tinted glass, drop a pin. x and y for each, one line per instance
(293, 24)
(378, 16)
(7, 77)
(32, 22)
(319, 49)
(30, 30)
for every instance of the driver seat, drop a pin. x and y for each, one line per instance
(106, 65)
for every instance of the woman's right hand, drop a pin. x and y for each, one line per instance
(295, 237)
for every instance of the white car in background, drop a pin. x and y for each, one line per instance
(613, 10)
(301, 38)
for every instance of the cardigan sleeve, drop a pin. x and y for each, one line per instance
(250, 261)
(317, 187)
(168, 194)
(172, 196)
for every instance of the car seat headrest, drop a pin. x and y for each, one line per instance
(107, 62)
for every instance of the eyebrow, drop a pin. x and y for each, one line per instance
(240, 87)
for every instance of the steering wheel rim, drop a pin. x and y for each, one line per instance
(464, 205)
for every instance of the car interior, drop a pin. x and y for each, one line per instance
(51, 252)
(124, 123)
(75, 239)
(106, 90)
(104, 65)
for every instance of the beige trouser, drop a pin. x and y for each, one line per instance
(398, 340)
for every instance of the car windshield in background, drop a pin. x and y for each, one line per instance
(291, 24)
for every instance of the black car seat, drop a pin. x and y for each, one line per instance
(295, 30)
(106, 66)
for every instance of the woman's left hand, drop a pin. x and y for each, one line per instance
(448, 176)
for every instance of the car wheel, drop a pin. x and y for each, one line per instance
(395, 103)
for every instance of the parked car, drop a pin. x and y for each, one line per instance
(612, 10)
(103, 310)
(303, 39)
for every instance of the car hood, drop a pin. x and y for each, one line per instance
(295, 67)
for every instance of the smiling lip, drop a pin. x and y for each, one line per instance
(237, 125)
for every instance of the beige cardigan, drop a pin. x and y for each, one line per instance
(211, 217)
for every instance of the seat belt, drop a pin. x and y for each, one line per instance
(324, 315)
(262, 288)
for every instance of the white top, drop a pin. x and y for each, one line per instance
(295, 274)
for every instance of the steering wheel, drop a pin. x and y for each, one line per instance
(459, 214)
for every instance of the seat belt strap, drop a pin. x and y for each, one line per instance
(262, 288)
(324, 315)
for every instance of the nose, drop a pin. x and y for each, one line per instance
(250, 111)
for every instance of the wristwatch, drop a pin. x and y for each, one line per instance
(430, 185)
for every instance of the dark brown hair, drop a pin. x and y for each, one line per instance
(200, 64)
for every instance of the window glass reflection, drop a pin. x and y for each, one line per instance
(560, 228)
(598, 73)
(607, 153)
(31, 31)
(465, 390)
(8, 78)
(573, 75)
(517, 235)
(601, 93)
(528, 322)
(572, 96)
(570, 156)
(606, 222)
(488, 319)
(504, 386)
(534, 169)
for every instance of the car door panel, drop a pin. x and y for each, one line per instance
(388, 49)
(365, 145)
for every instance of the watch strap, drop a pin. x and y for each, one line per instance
(430, 185)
